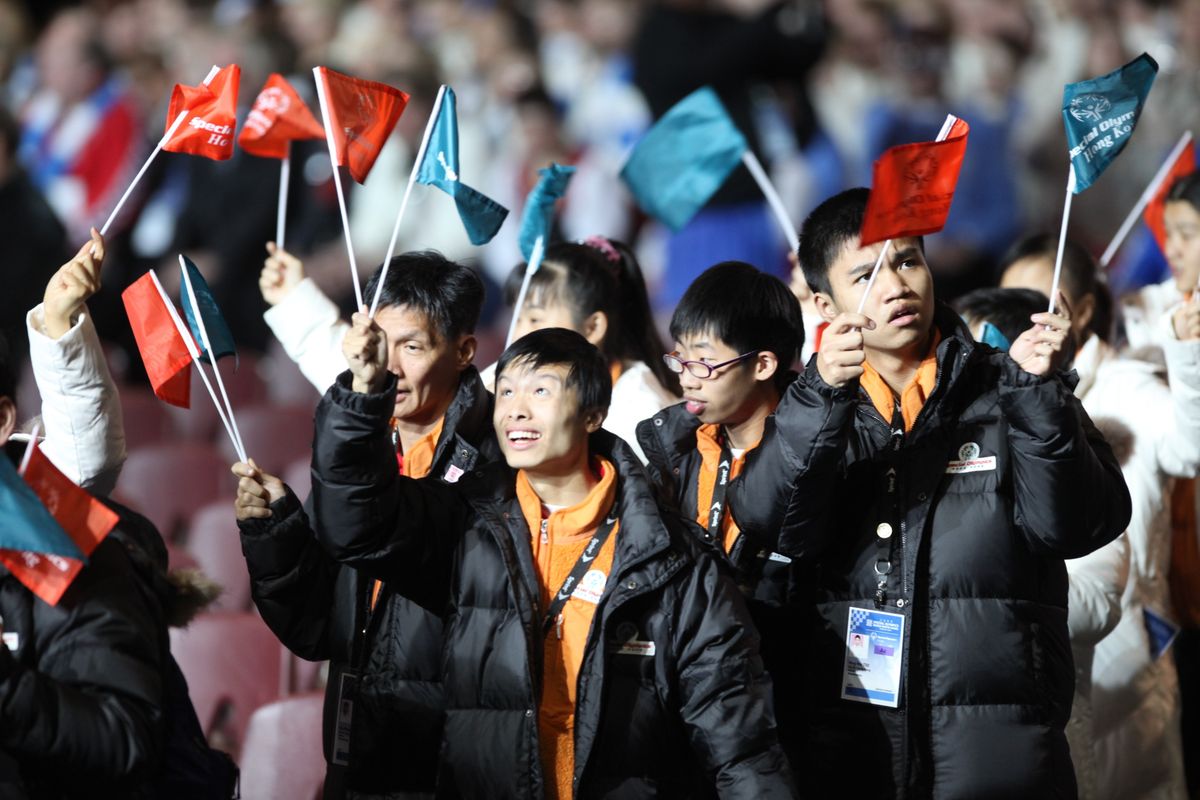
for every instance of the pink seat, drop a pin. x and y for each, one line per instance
(298, 476)
(147, 420)
(170, 482)
(282, 758)
(199, 422)
(274, 436)
(286, 384)
(214, 543)
(232, 664)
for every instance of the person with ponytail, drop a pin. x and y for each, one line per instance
(596, 289)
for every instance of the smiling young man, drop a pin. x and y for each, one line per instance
(591, 648)
(384, 701)
(928, 489)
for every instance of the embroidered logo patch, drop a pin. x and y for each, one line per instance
(591, 587)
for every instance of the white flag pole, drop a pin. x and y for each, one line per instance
(773, 199)
(535, 263)
(136, 178)
(337, 182)
(1062, 236)
(947, 125)
(186, 335)
(191, 298)
(285, 171)
(412, 179)
(1144, 200)
(166, 137)
(28, 454)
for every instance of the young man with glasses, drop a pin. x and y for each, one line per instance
(737, 332)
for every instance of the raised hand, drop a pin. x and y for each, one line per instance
(1040, 350)
(366, 351)
(75, 282)
(281, 272)
(256, 491)
(841, 357)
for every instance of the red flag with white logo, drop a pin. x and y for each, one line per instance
(362, 115)
(913, 187)
(85, 519)
(279, 116)
(211, 118)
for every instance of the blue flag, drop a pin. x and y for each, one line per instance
(26, 524)
(992, 335)
(681, 162)
(481, 215)
(219, 335)
(1100, 115)
(538, 217)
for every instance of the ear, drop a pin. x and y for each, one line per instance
(595, 327)
(826, 306)
(1082, 313)
(766, 364)
(8, 419)
(593, 420)
(466, 351)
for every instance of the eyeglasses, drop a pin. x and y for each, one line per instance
(700, 369)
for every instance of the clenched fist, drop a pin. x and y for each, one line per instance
(281, 272)
(841, 357)
(256, 491)
(75, 282)
(1040, 350)
(366, 351)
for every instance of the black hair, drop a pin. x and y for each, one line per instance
(8, 373)
(1186, 188)
(1008, 309)
(826, 231)
(1080, 275)
(607, 278)
(449, 294)
(587, 371)
(745, 308)
(10, 132)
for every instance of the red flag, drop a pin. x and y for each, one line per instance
(279, 116)
(914, 186)
(155, 326)
(1185, 164)
(85, 519)
(361, 117)
(212, 115)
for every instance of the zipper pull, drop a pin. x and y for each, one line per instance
(545, 528)
(558, 623)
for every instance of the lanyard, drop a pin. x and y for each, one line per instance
(581, 566)
(716, 512)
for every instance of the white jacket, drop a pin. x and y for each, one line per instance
(1135, 700)
(1147, 314)
(81, 409)
(309, 327)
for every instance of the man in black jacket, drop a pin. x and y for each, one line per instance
(82, 682)
(384, 701)
(929, 488)
(604, 656)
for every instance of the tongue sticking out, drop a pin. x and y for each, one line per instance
(695, 407)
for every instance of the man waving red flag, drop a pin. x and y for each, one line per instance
(212, 115)
(914, 185)
(279, 116)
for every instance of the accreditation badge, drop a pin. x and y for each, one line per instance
(874, 657)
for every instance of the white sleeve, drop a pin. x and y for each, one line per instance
(81, 409)
(306, 323)
(1096, 583)
(1179, 449)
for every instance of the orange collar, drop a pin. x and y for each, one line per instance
(578, 520)
(418, 461)
(913, 398)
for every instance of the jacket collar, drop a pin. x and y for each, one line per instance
(467, 423)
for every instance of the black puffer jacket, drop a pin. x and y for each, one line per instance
(688, 720)
(81, 683)
(977, 570)
(319, 609)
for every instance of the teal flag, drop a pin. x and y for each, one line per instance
(538, 217)
(481, 215)
(1100, 115)
(26, 524)
(681, 162)
(219, 335)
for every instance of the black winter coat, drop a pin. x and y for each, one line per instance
(81, 683)
(689, 719)
(320, 609)
(977, 570)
